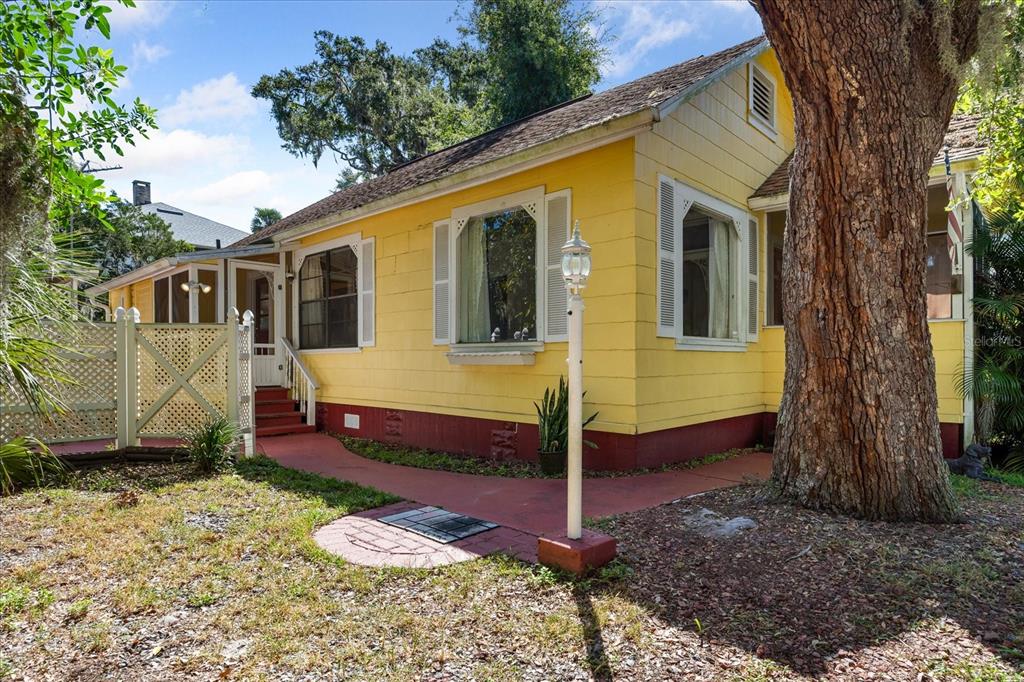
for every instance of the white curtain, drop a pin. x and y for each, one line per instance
(312, 272)
(720, 274)
(474, 305)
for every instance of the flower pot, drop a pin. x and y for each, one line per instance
(551, 463)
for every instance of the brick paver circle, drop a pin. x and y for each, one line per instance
(362, 539)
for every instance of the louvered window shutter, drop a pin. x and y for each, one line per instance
(442, 268)
(668, 261)
(559, 217)
(367, 292)
(753, 281)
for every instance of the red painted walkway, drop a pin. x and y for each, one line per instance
(533, 505)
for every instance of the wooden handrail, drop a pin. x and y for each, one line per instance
(304, 390)
(294, 355)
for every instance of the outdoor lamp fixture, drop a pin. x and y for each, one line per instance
(197, 286)
(576, 261)
(575, 271)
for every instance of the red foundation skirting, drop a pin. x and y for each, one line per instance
(494, 439)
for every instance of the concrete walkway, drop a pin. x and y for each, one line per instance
(532, 505)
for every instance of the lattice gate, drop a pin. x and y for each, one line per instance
(132, 380)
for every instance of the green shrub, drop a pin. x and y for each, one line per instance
(213, 446)
(553, 419)
(26, 462)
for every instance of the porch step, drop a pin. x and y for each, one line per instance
(262, 431)
(274, 407)
(279, 418)
(271, 393)
(277, 414)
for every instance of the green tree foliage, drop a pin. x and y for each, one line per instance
(56, 106)
(537, 53)
(264, 217)
(374, 109)
(997, 378)
(994, 88)
(127, 238)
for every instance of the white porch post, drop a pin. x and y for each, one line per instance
(968, 305)
(231, 330)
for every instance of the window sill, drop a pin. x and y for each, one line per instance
(321, 351)
(717, 345)
(519, 356)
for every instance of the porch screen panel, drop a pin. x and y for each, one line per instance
(160, 299)
(179, 297)
(208, 301)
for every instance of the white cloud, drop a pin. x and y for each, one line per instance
(643, 26)
(231, 198)
(176, 151)
(231, 189)
(640, 27)
(146, 14)
(145, 53)
(220, 99)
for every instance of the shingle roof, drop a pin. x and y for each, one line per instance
(579, 114)
(192, 228)
(961, 139)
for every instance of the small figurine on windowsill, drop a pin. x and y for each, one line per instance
(495, 334)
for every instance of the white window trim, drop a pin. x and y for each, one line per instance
(532, 200)
(693, 198)
(298, 257)
(755, 119)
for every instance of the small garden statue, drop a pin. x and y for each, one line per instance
(972, 463)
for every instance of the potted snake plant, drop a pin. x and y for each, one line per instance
(553, 428)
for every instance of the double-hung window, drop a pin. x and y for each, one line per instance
(336, 295)
(707, 270)
(497, 278)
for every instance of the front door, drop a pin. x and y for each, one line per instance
(256, 287)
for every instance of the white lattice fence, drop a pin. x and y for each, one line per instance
(131, 380)
(89, 394)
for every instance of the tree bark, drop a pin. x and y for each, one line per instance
(873, 85)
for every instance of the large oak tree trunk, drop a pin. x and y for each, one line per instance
(873, 85)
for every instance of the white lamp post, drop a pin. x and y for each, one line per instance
(575, 271)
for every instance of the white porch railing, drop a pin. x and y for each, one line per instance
(300, 381)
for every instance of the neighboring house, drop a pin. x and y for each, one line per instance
(200, 232)
(428, 303)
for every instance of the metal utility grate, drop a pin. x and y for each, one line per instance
(438, 524)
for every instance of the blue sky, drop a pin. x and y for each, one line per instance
(217, 152)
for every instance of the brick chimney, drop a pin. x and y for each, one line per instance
(140, 193)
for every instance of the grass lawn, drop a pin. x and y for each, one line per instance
(150, 572)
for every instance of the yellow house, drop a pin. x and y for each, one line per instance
(428, 306)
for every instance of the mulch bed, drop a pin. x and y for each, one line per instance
(832, 597)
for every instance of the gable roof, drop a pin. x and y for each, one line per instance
(657, 90)
(961, 139)
(194, 229)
